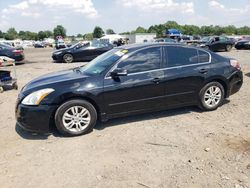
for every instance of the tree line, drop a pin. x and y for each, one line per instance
(159, 29)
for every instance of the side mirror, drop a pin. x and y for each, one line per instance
(118, 72)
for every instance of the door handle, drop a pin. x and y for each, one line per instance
(156, 80)
(203, 71)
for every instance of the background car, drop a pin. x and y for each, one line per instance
(39, 45)
(81, 52)
(216, 43)
(11, 52)
(243, 44)
(60, 44)
(125, 81)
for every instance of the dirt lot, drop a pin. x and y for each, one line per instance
(175, 148)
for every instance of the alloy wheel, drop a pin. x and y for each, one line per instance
(212, 96)
(76, 119)
(68, 58)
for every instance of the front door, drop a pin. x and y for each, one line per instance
(141, 89)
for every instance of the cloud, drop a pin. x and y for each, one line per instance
(33, 9)
(216, 5)
(159, 5)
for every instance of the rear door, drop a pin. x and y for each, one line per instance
(186, 70)
(141, 89)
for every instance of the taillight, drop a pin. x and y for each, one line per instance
(18, 51)
(235, 64)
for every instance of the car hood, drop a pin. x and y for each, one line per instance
(54, 78)
(243, 41)
(63, 50)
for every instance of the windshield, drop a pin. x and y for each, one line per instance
(80, 45)
(102, 62)
(206, 39)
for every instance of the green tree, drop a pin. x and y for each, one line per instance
(79, 35)
(125, 33)
(98, 32)
(140, 30)
(59, 31)
(48, 34)
(190, 30)
(41, 35)
(1, 34)
(11, 34)
(88, 36)
(110, 31)
(172, 25)
(22, 35)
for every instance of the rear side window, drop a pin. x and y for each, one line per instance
(180, 56)
(144, 60)
(203, 56)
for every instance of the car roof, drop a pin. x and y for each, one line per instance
(132, 47)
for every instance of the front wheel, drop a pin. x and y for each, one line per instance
(228, 48)
(211, 96)
(75, 117)
(68, 58)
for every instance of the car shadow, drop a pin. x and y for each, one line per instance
(147, 116)
(35, 136)
(248, 74)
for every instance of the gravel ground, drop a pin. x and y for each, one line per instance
(175, 148)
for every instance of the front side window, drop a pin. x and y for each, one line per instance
(181, 56)
(144, 60)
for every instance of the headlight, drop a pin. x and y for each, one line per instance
(36, 97)
(57, 53)
(247, 42)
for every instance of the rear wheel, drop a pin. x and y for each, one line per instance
(211, 96)
(75, 117)
(68, 58)
(206, 48)
(228, 48)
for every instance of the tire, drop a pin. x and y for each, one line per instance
(211, 96)
(68, 58)
(206, 48)
(229, 48)
(1, 89)
(75, 117)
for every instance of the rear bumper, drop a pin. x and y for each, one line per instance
(235, 82)
(19, 58)
(35, 118)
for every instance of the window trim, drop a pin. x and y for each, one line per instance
(163, 59)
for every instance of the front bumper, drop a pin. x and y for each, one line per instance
(19, 57)
(242, 46)
(35, 118)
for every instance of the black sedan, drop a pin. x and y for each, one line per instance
(243, 44)
(124, 81)
(11, 52)
(216, 43)
(81, 52)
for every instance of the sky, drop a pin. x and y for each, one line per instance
(81, 16)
